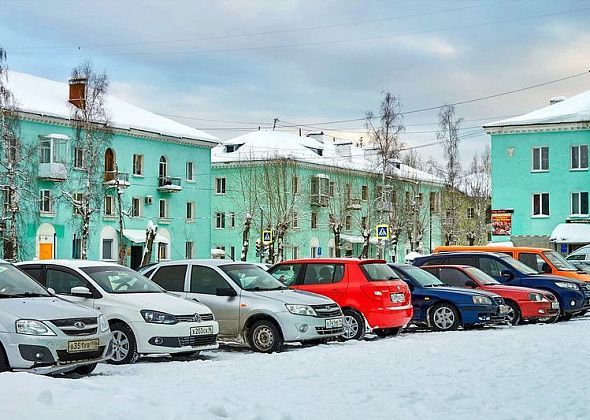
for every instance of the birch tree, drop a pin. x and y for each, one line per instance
(477, 187)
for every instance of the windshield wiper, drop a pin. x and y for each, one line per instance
(20, 295)
(262, 289)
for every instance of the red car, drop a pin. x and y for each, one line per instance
(369, 291)
(525, 304)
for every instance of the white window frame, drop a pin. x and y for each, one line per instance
(232, 220)
(219, 220)
(79, 158)
(111, 243)
(579, 202)
(165, 216)
(541, 214)
(579, 168)
(45, 198)
(295, 251)
(295, 221)
(136, 211)
(140, 172)
(162, 246)
(190, 174)
(220, 185)
(471, 213)
(77, 196)
(112, 200)
(540, 148)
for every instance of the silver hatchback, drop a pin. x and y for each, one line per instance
(249, 304)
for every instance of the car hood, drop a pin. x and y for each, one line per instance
(458, 291)
(499, 288)
(295, 296)
(44, 309)
(163, 302)
(552, 277)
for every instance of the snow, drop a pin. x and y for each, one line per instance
(574, 109)
(533, 371)
(48, 97)
(501, 243)
(571, 233)
(411, 256)
(138, 236)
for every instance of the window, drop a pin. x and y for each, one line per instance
(580, 203)
(190, 210)
(163, 168)
(171, 277)
(364, 223)
(490, 266)
(220, 220)
(163, 213)
(295, 221)
(79, 158)
(540, 159)
(136, 207)
(314, 220)
(232, 252)
(188, 250)
(232, 220)
(138, 165)
(295, 185)
(470, 213)
(162, 251)
(364, 193)
(287, 274)
(580, 157)
(63, 282)
(206, 280)
(433, 207)
(295, 252)
(190, 174)
(219, 185)
(420, 199)
(313, 252)
(348, 192)
(45, 202)
(348, 222)
(458, 261)
(332, 189)
(76, 247)
(541, 204)
(109, 205)
(52, 149)
(107, 249)
(78, 203)
(45, 151)
(453, 277)
(531, 260)
(323, 274)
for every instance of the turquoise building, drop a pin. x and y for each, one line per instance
(540, 174)
(162, 167)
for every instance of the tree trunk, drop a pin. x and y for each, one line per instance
(366, 242)
(337, 251)
(121, 226)
(246, 237)
(150, 235)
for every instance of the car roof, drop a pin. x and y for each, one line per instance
(341, 260)
(216, 262)
(444, 248)
(462, 266)
(470, 253)
(72, 263)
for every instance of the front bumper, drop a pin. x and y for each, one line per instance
(538, 310)
(481, 315)
(572, 302)
(53, 351)
(389, 317)
(175, 338)
(304, 328)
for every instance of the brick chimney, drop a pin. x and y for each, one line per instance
(78, 92)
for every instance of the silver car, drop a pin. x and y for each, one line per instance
(250, 305)
(42, 333)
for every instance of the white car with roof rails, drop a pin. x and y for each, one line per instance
(144, 318)
(42, 333)
(250, 305)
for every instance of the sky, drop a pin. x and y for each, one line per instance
(230, 66)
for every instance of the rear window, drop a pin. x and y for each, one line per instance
(378, 272)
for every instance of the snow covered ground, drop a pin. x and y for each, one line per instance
(535, 371)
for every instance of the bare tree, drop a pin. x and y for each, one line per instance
(150, 235)
(247, 201)
(477, 188)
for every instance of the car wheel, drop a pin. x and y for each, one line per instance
(354, 325)
(4, 365)
(185, 355)
(444, 317)
(265, 337)
(386, 332)
(85, 370)
(124, 345)
(513, 316)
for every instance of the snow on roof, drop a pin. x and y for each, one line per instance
(571, 233)
(475, 183)
(48, 97)
(267, 144)
(574, 109)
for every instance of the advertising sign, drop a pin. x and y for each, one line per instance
(502, 222)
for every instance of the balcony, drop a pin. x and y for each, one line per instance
(53, 172)
(354, 204)
(116, 179)
(169, 184)
(385, 207)
(319, 200)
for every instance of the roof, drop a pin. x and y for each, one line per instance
(268, 144)
(333, 260)
(574, 109)
(50, 98)
(571, 233)
(205, 261)
(72, 263)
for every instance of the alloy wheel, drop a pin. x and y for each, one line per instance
(351, 327)
(510, 315)
(444, 318)
(263, 338)
(120, 346)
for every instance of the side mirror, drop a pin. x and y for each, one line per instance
(471, 283)
(546, 268)
(507, 274)
(81, 291)
(225, 291)
(51, 290)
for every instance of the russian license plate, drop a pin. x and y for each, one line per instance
(206, 330)
(86, 345)
(334, 323)
(504, 309)
(554, 305)
(397, 297)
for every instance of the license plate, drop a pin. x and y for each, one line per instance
(504, 309)
(397, 297)
(334, 323)
(554, 305)
(86, 345)
(206, 330)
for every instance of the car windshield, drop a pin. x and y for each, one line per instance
(559, 262)
(14, 283)
(523, 268)
(121, 280)
(251, 277)
(378, 272)
(422, 277)
(481, 277)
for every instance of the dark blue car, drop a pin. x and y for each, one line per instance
(444, 308)
(573, 295)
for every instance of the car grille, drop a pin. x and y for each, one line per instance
(499, 300)
(65, 357)
(549, 297)
(197, 340)
(190, 318)
(326, 331)
(68, 326)
(585, 289)
(327, 311)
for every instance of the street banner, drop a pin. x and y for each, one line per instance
(501, 222)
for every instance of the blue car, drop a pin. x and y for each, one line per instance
(573, 295)
(445, 308)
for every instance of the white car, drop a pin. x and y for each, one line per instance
(144, 318)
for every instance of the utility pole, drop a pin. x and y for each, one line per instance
(274, 123)
(121, 257)
(261, 233)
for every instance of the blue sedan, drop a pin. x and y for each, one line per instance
(444, 308)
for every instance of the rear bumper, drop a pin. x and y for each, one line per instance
(389, 317)
(537, 310)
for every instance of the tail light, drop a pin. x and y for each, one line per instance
(373, 292)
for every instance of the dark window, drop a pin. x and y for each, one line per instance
(453, 277)
(63, 282)
(378, 272)
(149, 272)
(206, 280)
(171, 277)
(433, 261)
(287, 274)
(491, 266)
(529, 259)
(34, 272)
(323, 273)
(460, 260)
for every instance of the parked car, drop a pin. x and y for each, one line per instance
(251, 305)
(542, 260)
(45, 334)
(573, 295)
(525, 304)
(580, 258)
(444, 308)
(143, 317)
(370, 293)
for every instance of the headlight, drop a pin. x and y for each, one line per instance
(32, 327)
(103, 324)
(301, 310)
(567, 285)
(536, 297)
(155, 317)
(482, 300)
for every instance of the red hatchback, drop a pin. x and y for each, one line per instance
(369, 291)
(525, 304)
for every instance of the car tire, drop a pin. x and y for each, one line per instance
(85, 370)
(354, 325)
(387, 332)
(444, 317)
(265, 337)
(514, 317)
(4, 365)
(124, 345)
(185, 355)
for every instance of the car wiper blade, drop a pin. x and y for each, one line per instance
(29, 294)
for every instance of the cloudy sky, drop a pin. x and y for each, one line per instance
(230, 66)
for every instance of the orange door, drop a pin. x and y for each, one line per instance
(45, 251)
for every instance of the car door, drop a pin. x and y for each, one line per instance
(62, 280)
(325, 279)
(203, 284)
(493, 267)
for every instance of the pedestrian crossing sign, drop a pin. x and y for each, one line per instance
(266, 236)
(382, 231)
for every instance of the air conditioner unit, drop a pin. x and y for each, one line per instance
(149, 199)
